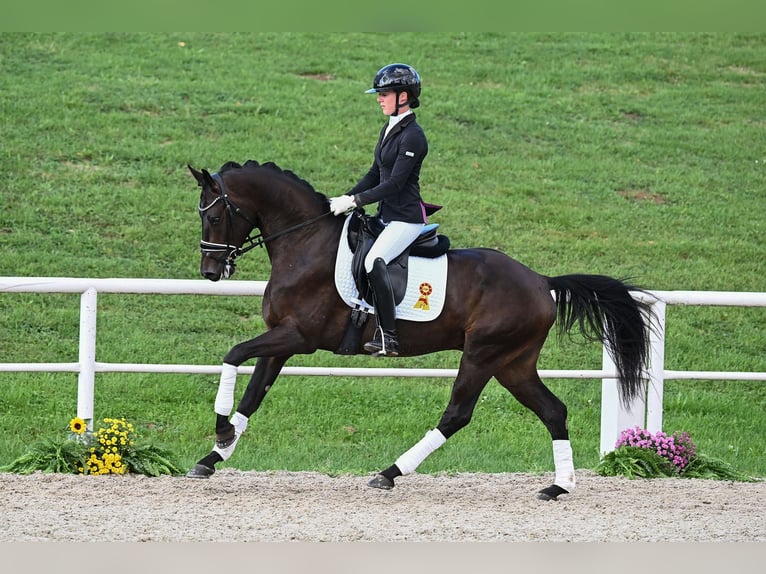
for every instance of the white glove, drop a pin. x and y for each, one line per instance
(341, 204)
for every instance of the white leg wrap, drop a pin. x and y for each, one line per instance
(562, 462)
(229, 450)
(410, 460)
(224, 399)
(240, 423)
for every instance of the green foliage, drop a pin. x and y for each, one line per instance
(151, 460)
(712, 468)
(50, 455)
(635, 462)
(69, 457)
(112, 449)
(633, 155)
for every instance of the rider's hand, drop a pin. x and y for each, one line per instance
(341, 204)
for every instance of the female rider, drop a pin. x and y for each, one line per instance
(393, 182)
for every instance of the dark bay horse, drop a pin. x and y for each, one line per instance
(497, 311)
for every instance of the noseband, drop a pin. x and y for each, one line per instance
(231, 251)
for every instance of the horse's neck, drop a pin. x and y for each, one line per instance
(301, 247)
(306, 252)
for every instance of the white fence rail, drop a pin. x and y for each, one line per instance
(646, 413)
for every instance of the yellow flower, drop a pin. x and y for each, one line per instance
(77, 425)
(112, 442)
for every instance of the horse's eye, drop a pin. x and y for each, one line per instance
(213, 219)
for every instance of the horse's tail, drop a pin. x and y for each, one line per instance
(605, 311)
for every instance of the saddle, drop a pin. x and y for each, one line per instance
(363, 230)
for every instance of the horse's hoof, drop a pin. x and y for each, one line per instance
(200, 471)
(381, 482)
(551, 493)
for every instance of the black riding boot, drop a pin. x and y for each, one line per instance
(384, 344)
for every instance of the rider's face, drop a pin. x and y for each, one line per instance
(387, 101)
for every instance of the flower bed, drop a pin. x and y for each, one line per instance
(639, 453)
(112, 448)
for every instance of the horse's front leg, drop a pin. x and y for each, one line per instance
(266, 371)
(227, 432)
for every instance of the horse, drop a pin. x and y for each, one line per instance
(497, 312)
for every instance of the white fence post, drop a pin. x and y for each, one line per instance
(86, 380)
(614, 416)
(656, 371)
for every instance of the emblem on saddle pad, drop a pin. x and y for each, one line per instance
(422, 299)
(425, 290)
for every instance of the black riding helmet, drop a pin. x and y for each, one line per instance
(398, 78)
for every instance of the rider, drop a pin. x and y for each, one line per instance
(393, 182)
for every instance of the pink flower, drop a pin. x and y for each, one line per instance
(677, 448)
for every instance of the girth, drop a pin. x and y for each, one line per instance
(364, 229)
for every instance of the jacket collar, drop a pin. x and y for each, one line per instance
(399, 126)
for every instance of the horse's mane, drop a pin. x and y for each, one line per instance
(253, 164)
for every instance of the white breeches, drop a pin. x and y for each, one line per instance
(394, 239)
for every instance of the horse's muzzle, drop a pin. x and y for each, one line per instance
(214, 269)
(212, 276)
(217, 260)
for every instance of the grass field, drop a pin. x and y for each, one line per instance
(632, 155)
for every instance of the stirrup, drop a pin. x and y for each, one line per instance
(382, 346)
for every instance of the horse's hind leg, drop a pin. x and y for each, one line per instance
(525, 384)
(472, 377)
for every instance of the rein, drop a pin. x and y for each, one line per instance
(259, 240)
(251, 241)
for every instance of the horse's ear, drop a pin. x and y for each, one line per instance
(197, 175)
(210, 181)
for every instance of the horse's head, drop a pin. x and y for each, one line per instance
(239, 199)
(225, 228)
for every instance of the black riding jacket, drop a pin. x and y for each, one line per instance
(393, 179)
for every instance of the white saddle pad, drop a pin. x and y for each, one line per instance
(426, 284)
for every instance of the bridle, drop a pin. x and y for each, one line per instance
(232, 251)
